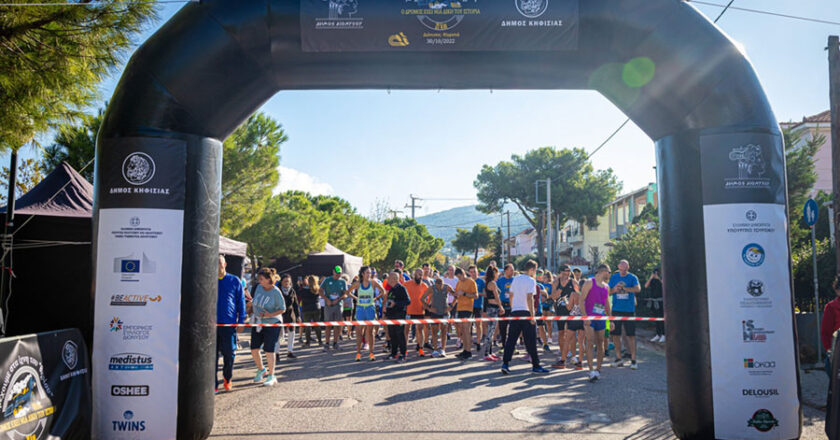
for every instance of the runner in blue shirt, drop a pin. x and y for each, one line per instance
(230, 309)
(503, 284)
(547, 307)
(623, 289)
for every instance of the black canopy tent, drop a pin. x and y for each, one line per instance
(51, 256)
(320, 263)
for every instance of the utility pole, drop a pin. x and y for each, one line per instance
(502, 237)
(546, 218)
(508, 237)
(548, 227)
(834, 99)
(394, 213)
(413, 204)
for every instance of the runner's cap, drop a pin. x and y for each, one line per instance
(564, 268)
(337, 269)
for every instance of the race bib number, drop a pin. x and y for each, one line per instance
(622, 296)
(598, 309)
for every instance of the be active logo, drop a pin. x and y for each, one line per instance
(122, 299)
(129, 332)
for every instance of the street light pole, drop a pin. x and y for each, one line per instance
(834, 99)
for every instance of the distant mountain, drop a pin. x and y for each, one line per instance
(444, 224)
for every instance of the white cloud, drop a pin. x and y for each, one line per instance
(292, 179)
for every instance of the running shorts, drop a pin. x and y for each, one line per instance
(266, 338)
(477, 313)
(347, 314)
(598, 325)
(365, 313)
(573, 326)
(629, 327)
(333, 313)
(416, 316)
(464, 314)
(437, 316)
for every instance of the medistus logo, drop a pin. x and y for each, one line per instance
(131, 362)
(138, 168)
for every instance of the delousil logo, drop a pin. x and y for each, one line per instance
(760, 392)
(129, 390)
(131, 362)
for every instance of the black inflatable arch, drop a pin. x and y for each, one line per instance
(216, 62)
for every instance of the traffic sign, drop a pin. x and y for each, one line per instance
(810, 212)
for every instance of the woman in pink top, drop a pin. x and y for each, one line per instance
(594, 295)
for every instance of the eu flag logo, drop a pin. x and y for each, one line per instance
(130, 266)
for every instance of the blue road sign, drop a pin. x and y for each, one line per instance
(810, 212)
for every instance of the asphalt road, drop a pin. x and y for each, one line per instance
(443, 398)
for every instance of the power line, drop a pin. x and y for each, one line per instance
(764, 12)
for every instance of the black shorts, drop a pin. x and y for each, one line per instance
(347, 314)
(539, 323)
(465, 314)
(266, 338)
(573, 326)
(416, 317)
(629, 327)
(436, 316)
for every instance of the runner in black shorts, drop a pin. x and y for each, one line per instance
(564, 296)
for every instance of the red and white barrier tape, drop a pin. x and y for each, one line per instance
(445, 321)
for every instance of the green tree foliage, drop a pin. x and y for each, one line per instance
(289, 227)
(351, 232)
(640, 247)
(52, 58)
(801, 177)
(411, 243)
(803, 273)
(472, 240)
(28, 175)
(249, 172)
(578, 191)
(74, 144)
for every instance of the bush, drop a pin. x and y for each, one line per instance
(803, 274)
(519, 262)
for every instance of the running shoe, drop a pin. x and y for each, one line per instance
(495, 358)
(260, 376)
(539, 370)
(559, 365)
(371, 357)
(443, 353)
(618, 363)
(227, 385)
(578, 366)
(662, 339)
(290, 355)
(365, 347)
(505, 369)
(461, 355)
(575, 360)
(401, 359)
(358, 357)
(593, 376)
(270, 381)
(435, 354)
(420, 352)
(655, 339)
(489, 358)
(634, 365)
(335, 346)
(428, 346)
(459, 345)
(547, 348)
(216, 391)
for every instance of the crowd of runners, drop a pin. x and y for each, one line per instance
(425, 293)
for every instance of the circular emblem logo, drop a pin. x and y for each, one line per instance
(753, 255)
(128, 415)
(531, 8)
(751, 215)
(26, 402)
(138, 168)
(763, 420)
(755, 288)
(70, 354)
(135, 221)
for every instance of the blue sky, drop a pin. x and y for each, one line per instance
(368, 145)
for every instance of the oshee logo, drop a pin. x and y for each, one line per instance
(129, 423)
(131, 362)
(133, 300)
(129, 390)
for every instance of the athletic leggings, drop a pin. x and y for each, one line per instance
(487, 340)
